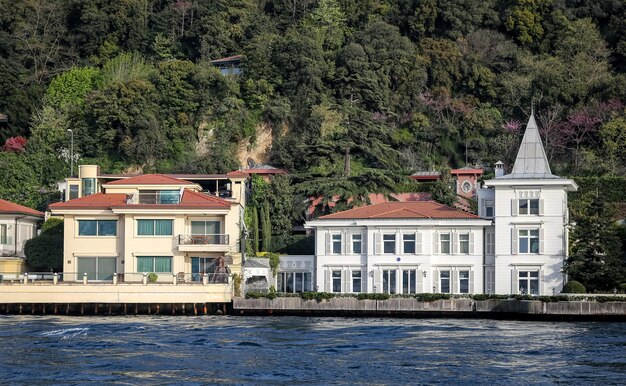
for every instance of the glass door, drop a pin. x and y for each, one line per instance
(201, 265)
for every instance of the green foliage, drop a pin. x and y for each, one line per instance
(428, 297)
(266, 227)
(45, 252)
(237, 280)
(594, 258)
(68, 90)
(152, 277)
(274, 260)
(52, 227)
(574, 287)
(317, 296)
(255, 230)
(294, 244)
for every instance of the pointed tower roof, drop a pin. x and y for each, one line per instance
(531, 161)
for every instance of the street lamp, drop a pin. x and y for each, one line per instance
(71, 152)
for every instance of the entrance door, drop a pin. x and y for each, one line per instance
(200, 265)
(97, 268)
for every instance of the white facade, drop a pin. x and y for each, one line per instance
(399, 256)
(529, 245)
(15, 230)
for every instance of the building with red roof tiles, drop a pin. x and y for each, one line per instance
(264, 170)
(399, 248)
(175, 226)
(18, 224)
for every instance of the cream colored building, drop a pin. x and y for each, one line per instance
(18, 224)
(132, 226)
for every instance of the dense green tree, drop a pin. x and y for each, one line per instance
(594, 258)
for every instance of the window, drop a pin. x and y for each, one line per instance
(464, 242)
(389, 281)
(207, 232)
(337, 244)
(389, 243)
(3, 234)
(336, 284)
(89, 186)
(529, 241)
(408, 243)
(529, 282)
(159, 197)
(488, 208)
(154, 227)
(444, 282)
(464, 282)
(408, 282)
(466, 186)
(154, 264)
(356, 281)
(73, 191)
(96, 268)
(356, 243)
(294, 282)
(529, 206)
(489, 243)
(97, 227)
(444, 240)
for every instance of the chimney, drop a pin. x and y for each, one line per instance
(499, 169)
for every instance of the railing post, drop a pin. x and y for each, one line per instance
(115, 278)
(85, 276)
(174, 281)
(205, 278)
(25, 277)
(55, 278)
(144, 280)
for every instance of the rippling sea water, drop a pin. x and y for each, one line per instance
(296, 350)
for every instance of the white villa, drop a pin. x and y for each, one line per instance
(18, 224)
(517, 244)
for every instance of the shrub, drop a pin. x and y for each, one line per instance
(152, 277)
(254, 295)
(431, 297)
(53, 227)
(318, 296)
(622, 288)
(237, 284)
(574, 287)
(45, 252)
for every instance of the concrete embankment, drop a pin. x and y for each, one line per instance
(452, 308)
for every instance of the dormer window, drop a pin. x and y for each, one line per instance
(171, 197)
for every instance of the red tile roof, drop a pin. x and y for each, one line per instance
(238, 174)
(190, 200)
(7, 207)
(401, 210)
(466, 170)
(95, 201)
(151, 179)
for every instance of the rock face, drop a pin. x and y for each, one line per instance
(259, 151)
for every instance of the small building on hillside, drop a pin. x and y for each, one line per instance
(18, 224)
(264, 171)
(230, 65)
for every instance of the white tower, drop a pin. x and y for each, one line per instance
(529, 240)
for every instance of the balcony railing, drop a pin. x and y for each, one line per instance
(216, 239)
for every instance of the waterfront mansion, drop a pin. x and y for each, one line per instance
(517, 243)
(182, 228)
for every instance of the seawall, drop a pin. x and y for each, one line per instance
(452, 308)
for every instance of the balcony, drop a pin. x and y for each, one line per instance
(204, 243)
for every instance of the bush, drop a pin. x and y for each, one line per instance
(319, 296)
(294, 244)
(574, 287)
(431, 297)
(53, 227)
(254, 295)
(152, 277)
(622, 288)
(45, 252)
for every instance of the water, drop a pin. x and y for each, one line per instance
(295, 350)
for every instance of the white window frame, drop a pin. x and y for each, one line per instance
(410, 283)
(461, 242)
(448, 241)
(354, 240)
(528, 278)
(449, 279)
(333, 278)
(528, 237)
(528, 206)
(333, 240)
(390, 289)
(391, 241)
(360, 279)
(405, 241)
(466, 279)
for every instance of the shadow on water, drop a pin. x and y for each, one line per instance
(223, 349)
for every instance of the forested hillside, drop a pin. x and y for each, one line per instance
(358, 93)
